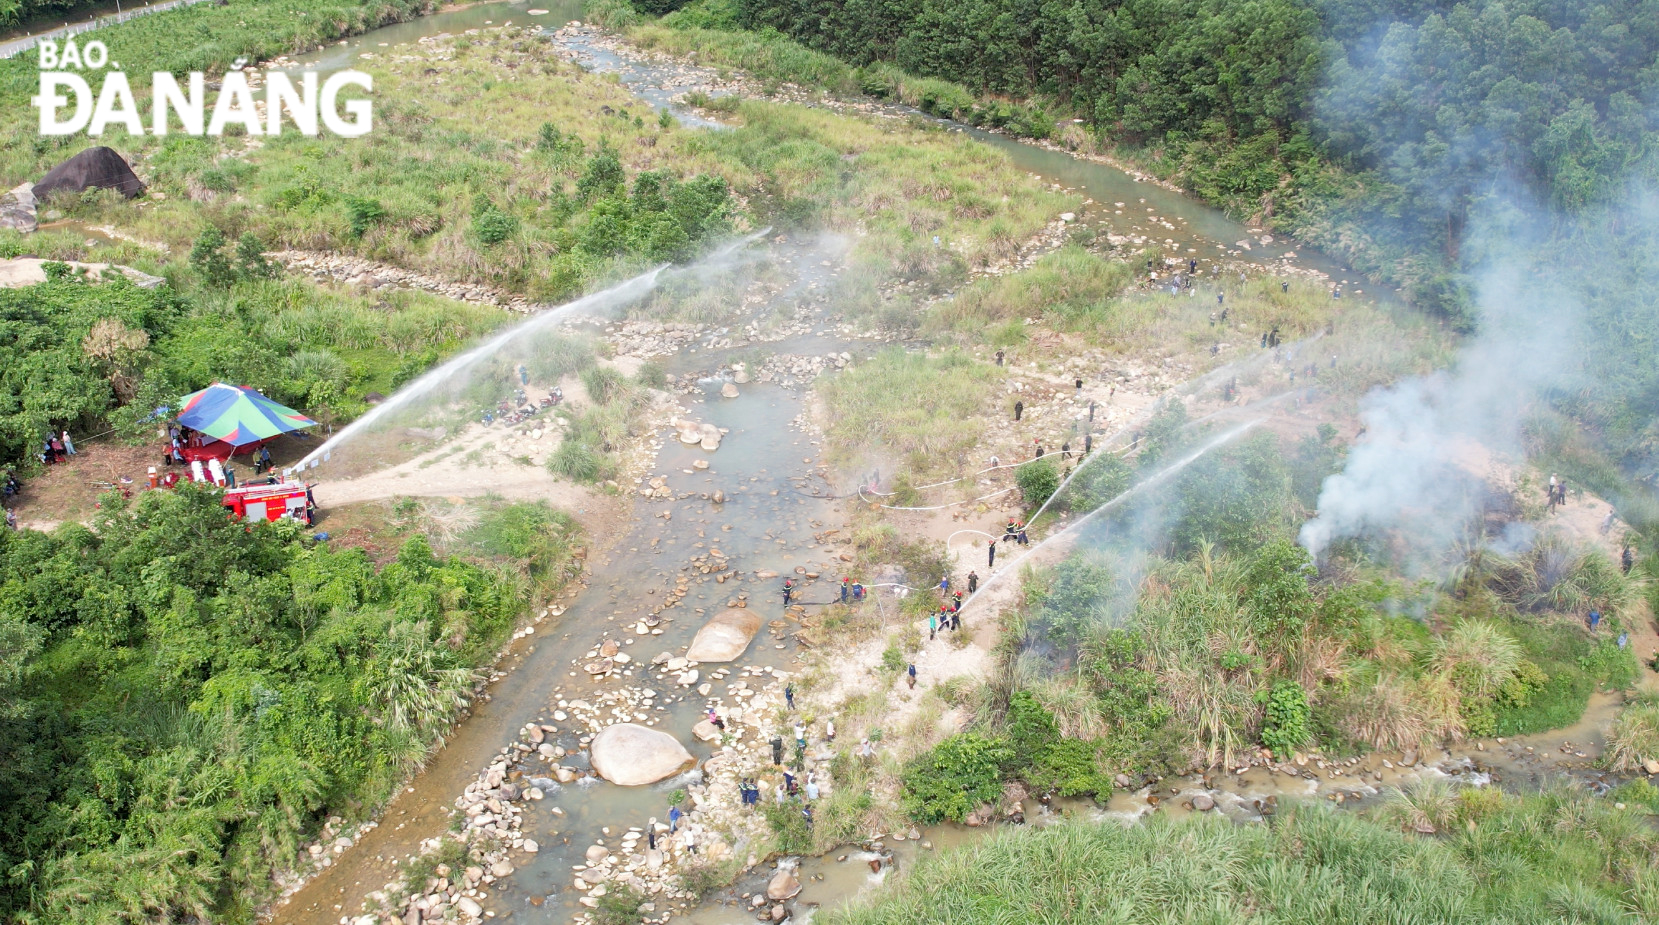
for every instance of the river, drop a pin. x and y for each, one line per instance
(777, 500)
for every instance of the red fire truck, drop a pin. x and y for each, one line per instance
(288, 498)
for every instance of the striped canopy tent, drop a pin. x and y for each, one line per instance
(234, 419)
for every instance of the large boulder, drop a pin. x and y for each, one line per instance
(94, 168)
(726, 637)
(783, 885)
(632, 755)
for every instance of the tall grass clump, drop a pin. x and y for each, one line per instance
(1633, 740)
(908, 407)
(1313, 864)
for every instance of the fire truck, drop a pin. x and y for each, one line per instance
(271, 498)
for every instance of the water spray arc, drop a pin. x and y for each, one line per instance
(1158, 478)
(604, 300)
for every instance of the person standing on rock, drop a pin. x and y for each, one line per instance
(777, 749)
(991, 558)
(999, 357)
(911, 677)
(932, 622)
(1019, 409)
(789, 695)
(1088, 444)
(1037, 450)
(788, 590)
(778, 794)
(651, 834)
(690, 840)
(789, 785)
(944, 584)
(973, 581)
(811, 789)
(800, 734)
(846, 588)
(673, 819)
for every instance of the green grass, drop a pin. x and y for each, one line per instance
(1313, 865)
(909, 407)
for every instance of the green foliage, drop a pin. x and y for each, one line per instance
(490, 224)
(1069, 601)
(1317, 456)
(954, 777)
(200, 695)
(619, 906)
(1237, 497)
(1314, 863)
(892, 658)
(363, 213)
(1286, 726)
(1047, 761)
(908, 404)
(788, 827)
(207, 258)
(250, 259)
(1097, 480)
(1277, 597)
(1037, 481)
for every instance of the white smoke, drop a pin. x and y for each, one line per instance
(1416, 470)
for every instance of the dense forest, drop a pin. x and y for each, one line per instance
(182, 697)
(1397, 118)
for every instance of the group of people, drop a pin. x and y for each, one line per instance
(1557, 493)
(56, 448)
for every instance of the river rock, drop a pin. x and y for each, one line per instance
(725, 637)
(706, 731)
(631, 755)
(17, 209)
(469, 907)
(728, 391)
(1651, 766)
(597, 853)
(783, 885)
(1203, 802)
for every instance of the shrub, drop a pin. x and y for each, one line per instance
(1037, 481)
(490, 224)
(208, 260)
(1286, 726)
(363, 213)
(788, 826)
(1634, 738)
(1046, 760)
(955, 776)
